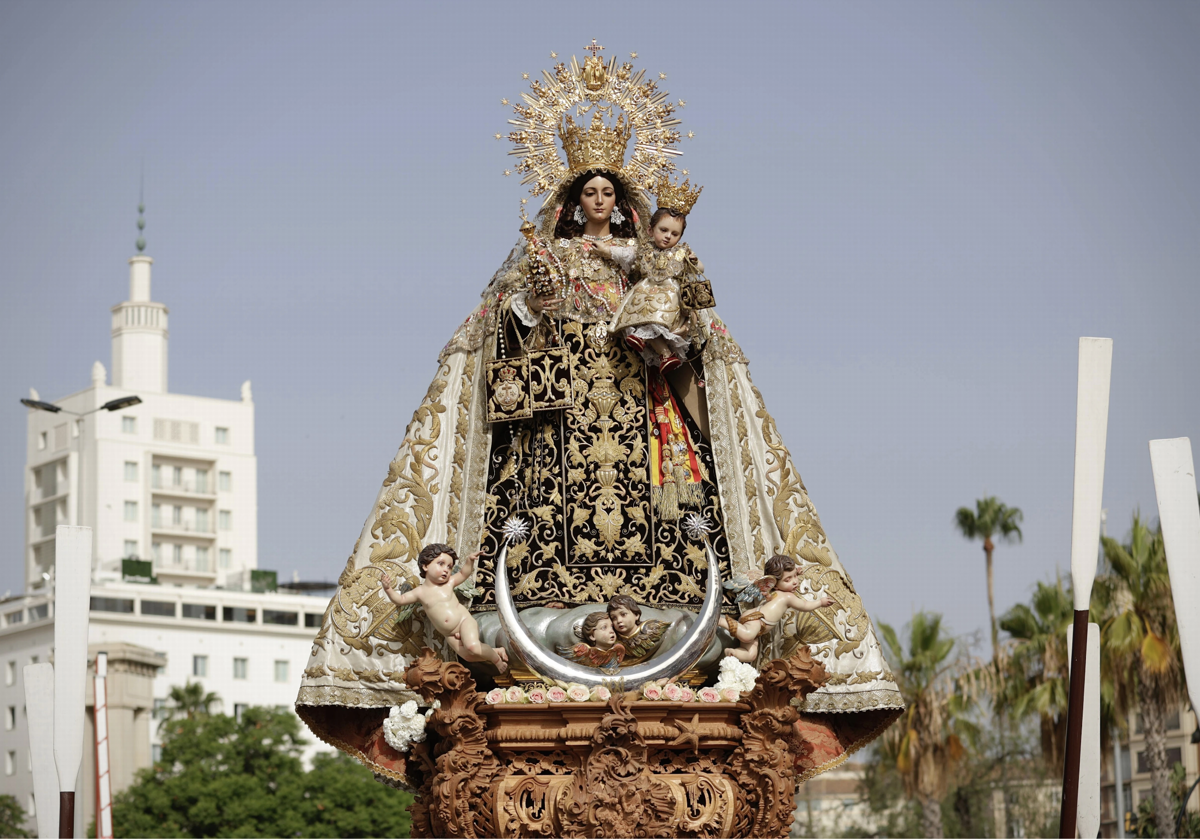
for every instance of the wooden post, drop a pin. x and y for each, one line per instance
(1088, 809)
(1091, 434)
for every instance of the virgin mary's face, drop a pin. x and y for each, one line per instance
(598, 199)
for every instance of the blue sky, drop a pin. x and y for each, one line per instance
(911, 213)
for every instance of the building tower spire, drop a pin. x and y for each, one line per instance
(139, 327)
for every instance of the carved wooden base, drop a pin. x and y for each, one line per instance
(628, 768)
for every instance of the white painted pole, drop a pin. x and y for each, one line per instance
(39, 708)
(104, 829)
(73, 584)
(1088, 810)
(1179, 513)
(1091, 435)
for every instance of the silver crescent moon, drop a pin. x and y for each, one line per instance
(682, 655)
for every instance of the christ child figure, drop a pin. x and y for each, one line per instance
(639, 638)
(652, 317)
(771, 596)
(448, 616)
(599, 647)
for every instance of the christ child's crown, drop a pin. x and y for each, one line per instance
(597, 147)
(678, 197)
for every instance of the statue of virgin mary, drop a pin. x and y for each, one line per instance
(544, 432)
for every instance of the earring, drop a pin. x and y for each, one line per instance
(579, 218)
(617, 216)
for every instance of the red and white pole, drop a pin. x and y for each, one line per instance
(104, 827)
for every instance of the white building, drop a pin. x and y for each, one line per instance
(172, 481)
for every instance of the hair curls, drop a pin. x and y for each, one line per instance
(567, 228)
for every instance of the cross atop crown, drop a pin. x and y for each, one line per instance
(594, 47)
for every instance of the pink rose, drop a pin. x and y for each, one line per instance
(601, 694)
(673, 691)
(496, 695)
(730, 695)
(515, 694)
(578, 693)
(652, 692)
(556, 695)
(708, 694)
(537, 695)
(686, 694)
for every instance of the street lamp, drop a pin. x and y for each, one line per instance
(111, 405)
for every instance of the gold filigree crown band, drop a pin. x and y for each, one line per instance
(677, 197)
(598, 147)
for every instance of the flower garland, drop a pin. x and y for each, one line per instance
(735, 679)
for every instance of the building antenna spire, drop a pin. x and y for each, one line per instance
(141, 222)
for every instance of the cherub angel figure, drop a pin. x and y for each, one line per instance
(437, 594)
(768, 598)
(598, 646)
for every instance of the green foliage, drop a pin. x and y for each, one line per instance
(188, 701)
(220, 777)
(990, 518)
(12, 817)
(1145, 822)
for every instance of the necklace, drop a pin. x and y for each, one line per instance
(590, 238)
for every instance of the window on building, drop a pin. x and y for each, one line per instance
(199, 665)
(224, 481)
(239, 709)
(176, 476)
(10, 672)
(131, 471)
(225, 557)
(313, 619)
(10, 763)
(10, 718)
(202, 520)
(129, 425)
(156, 515)
(1174, 756)
(177, 514)
(177, 554)
(221, 434)
(43, 440)
(131, 549)
(160, 708)
(201, 558)
(281, 670)
(239, 668)
(1172, 722)
(14, 617)
(156, 753)
(240, 614)
(156, 476)
(204, 612)
(201, 481)
(156, 551)
(131, 511)
(33, 660)
(39, 611)
(281, 617)
(225, 520)
(112, 605)
(166, 608)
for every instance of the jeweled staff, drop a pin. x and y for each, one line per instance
(1091, 433)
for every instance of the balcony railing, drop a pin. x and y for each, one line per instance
(190, 488)
(184, 527)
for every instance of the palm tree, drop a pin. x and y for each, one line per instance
(991, 517)
(189, 700)
(1038, 671)
(927, 743)
(1140, 639)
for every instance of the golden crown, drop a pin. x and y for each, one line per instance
(676, 196)
(646, 114)
(598, 147)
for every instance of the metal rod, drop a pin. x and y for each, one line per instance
(66, 813)
(1070, 792)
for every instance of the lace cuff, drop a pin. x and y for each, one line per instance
(521, 310)
(623, 256)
